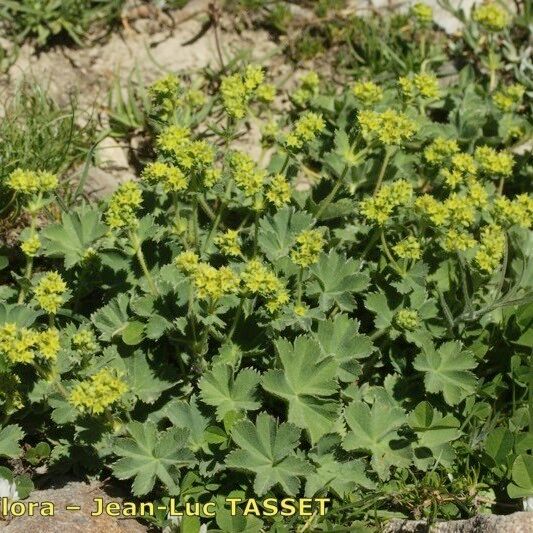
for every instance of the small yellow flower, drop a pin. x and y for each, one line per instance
(31, 182)
(84, 341)
(305, 130)
(492, 17)
(436, 211)
(187, 261)
(228, 243)
(493, 162)
(407, 319)
(213, 283)
(308, 88)
(423, 84)
(378, 209)
(247, 177)
(460, 210)
(509, 98)
(440, 150)
(31, 245)
(171, 177)
(50, 292)
(390, 127)
(258, 279)
(48, 343)
(123, 205)
(518, 211)
(457, 241)
(409, 248)
(309, 244)
(465, 164)
(367, 92)
(97, 393)
(422, 12)
(492, 245)
(477, 193)
(279, 191)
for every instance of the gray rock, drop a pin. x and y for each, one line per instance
(513, 523)
(73, 521)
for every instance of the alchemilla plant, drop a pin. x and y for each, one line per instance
(342, 312)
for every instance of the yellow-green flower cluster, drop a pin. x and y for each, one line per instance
(176, 142)
(50, 292)
(171, 177)
(213, 283)
(48, 343)
(165, 94)
(422, 12)
(84, 341)
(279, 191)
(390, 127)
(457, 241)
(97, 393)
(31, 182)
(229, 243)
(123, 205)
(477, 193)
(187, 261)
(258, 279)
(31, 245)
(440, 150)
(407, 319)
(509, 98)
(379, 208)
(367, 92)
(308, 88)
(433, 209)
(463, 168)
(493, 162)
(309, 244)
(460, 210)
(239, 90)
(408, 248)
(491, 249)
(518, 211)
(305, 130)
(23, 345)
(492, 17)
(423, 84)
(243, 170)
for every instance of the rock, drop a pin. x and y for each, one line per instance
(101, 183)
(514, 523)
(72, 493)
(111, 155)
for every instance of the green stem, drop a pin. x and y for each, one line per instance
(236, 319)
(142, 261)
(391, 259)
(388, 154)
(500, 185)
(329, 198)
(256, 232)
(218, 216)
(299, 286)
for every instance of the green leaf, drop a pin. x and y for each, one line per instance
(377, 303)
(9, 440)
(447, 370)
(522, 476)
(78, 231)
(187, 416)
(340, 339)
(148, 455)
(21, 315)
(112, 319)
(375, 431)
(435, 432)
(499, 446)
(268, 450)
(277, 233)
(227, 393)
(341, 477)
(305, 382)
(336, 278)
(133, 333)
(142, 380)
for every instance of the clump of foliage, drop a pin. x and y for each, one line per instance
(36, 133)
(45, 20)
(221, 328)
